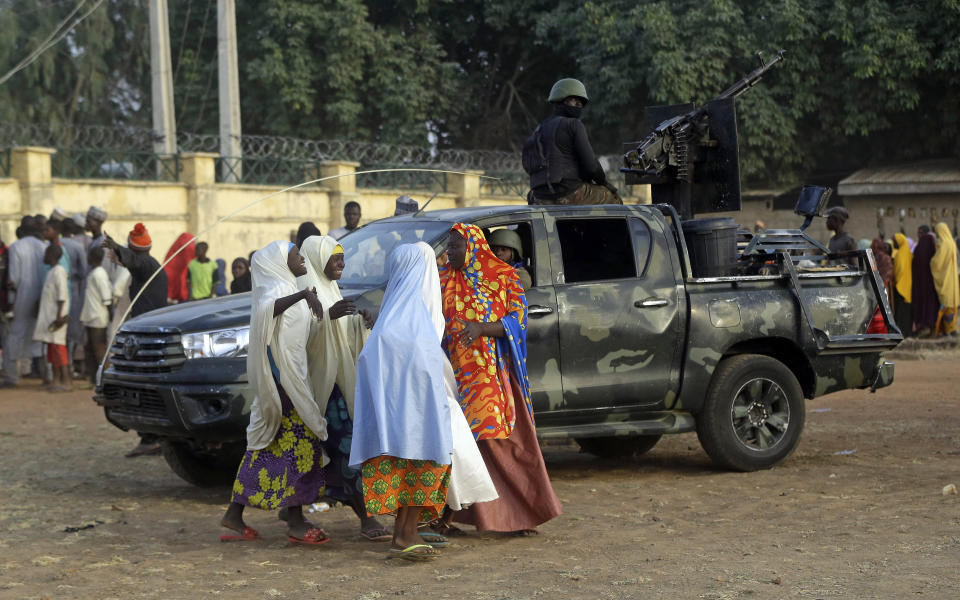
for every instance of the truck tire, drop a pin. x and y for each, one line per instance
(621, 446)
(207, 468)
(753, 415)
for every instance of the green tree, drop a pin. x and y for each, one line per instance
(96, 75)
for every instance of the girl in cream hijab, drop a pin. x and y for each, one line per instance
(332, 350)
(283, 465)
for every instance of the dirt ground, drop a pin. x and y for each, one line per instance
(856, 512)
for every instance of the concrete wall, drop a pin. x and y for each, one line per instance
(869, 215)
(197, 202)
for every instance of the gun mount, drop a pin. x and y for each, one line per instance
(690, 157)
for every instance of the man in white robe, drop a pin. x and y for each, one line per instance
(25, 274)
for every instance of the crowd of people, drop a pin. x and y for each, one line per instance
(64, 284)
(425, 414)
(921, 276)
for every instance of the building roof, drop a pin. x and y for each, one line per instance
(927, 177)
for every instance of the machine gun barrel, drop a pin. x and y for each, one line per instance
(752, 79)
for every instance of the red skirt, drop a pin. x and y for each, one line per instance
(516, 467)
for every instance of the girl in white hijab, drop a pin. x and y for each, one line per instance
(469, 479)
(283, 465)
(332, 350)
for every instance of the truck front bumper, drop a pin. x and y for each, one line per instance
(212, 406)
(883, 376)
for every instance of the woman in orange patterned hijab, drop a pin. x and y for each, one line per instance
(486, 334)
(486, 314)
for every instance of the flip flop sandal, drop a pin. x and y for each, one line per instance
(313, 537)
(438, 526)
(377, 534)
(249, 534)
(435, 539)
(414, 553)
(525, 533)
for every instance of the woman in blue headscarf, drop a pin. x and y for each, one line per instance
(402, 436)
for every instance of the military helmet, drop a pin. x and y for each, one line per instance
(565, 88)
(508, 239)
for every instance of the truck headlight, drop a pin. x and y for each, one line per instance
(220, 343)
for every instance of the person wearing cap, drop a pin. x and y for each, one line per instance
(564, 168)
(96, 217)
(136, 258)
(141, 266)
(77, 225)
(405, 205)
(351, 215)
(507, 247)
(841, 241)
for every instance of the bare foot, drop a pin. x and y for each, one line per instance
(234, 523)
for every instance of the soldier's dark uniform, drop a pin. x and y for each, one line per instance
(573, 175)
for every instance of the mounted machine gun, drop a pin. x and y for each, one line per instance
(691, 157)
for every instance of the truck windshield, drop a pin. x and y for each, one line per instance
(366, 249)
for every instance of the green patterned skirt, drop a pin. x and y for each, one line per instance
(391, 483)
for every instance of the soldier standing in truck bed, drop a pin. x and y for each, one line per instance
(558, 157)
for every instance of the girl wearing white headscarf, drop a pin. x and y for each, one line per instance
(332, 351)
(402, 436)
(469, 479)
(283, 465)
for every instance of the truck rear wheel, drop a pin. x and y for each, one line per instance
(204, 468)
(753, 415)
(618, 446)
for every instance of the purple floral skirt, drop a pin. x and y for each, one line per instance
(288, 472)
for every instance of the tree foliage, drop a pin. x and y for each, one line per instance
(865, 81)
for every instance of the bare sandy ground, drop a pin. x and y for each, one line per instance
(827, 523)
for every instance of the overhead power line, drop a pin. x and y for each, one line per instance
(53, 39)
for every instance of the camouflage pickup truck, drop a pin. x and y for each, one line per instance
(627, 341)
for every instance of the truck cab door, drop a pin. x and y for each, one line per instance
(543, 343)
(619, 310)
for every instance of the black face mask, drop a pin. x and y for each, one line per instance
(568, 111)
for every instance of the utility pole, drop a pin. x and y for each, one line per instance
(164, 122)
(229, 92)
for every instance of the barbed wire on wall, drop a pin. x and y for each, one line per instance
(128, 152)
(141, 139)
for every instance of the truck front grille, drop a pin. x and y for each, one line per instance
(147, 352)
(141, 402)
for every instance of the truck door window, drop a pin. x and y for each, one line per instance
(525, 232)
(641, 244)
(596, 249)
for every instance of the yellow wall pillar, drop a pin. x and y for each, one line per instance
(31, 167)
(466, 187)
(343, 189)
(198, 172)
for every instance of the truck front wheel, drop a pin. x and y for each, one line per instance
(618, 446)
(204, 467)
(753, 415)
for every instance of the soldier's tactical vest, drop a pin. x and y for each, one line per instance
(542, 158)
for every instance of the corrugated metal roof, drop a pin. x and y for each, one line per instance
(927, 177)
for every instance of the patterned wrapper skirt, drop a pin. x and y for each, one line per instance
(391, 483)
(288, 472)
